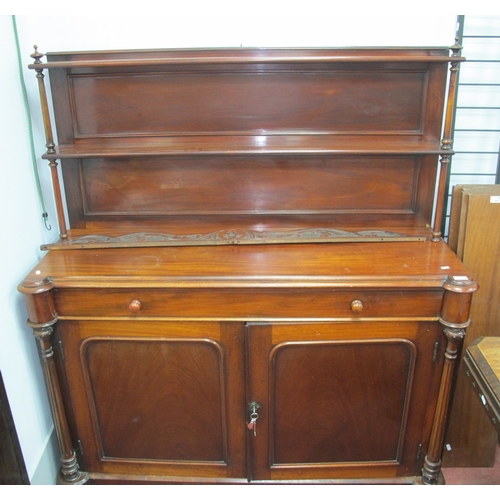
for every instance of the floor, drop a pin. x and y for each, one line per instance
(474, 475)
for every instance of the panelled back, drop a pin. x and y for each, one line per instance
(341, 139)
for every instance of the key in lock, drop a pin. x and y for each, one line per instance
(252, 425)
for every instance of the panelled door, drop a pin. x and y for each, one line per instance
(320, 400)
(343, 400)
(158, 398)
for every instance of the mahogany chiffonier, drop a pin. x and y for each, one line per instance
(250, 284)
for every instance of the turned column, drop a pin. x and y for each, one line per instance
(455, 318)
(42, 319)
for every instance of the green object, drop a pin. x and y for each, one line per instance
(30, 127)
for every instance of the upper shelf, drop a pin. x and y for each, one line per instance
(248, 101)
(246, 145)
(123, 58)
(296, 143)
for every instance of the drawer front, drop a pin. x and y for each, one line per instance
(247, 304)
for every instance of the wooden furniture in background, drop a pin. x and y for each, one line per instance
(475, 236)
(186, 335)
(482, 367)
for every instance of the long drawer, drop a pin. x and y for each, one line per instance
(247, 303)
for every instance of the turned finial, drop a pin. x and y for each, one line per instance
(37, 55)
(456, 48)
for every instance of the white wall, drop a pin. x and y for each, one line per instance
(22, 232)
(21, 224)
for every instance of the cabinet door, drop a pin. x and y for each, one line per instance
(157, 398)
(343, 400)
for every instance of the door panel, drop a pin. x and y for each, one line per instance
(155, 397)
(340, 400)
(163, 385)
(321, 416)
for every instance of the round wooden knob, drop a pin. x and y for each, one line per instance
(135, 306)
(356, 306)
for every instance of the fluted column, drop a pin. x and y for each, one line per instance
(43, 319)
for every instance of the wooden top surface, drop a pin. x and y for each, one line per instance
(483, 360)
(489, 347)
(417, 264)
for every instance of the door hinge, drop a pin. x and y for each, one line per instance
(436, 351)
(57, 344)
(79, 453)
(419, 453)
(60, 348)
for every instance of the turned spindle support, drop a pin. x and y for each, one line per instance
(50, 145)
(446, 141)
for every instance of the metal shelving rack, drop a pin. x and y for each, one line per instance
(476, 136)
